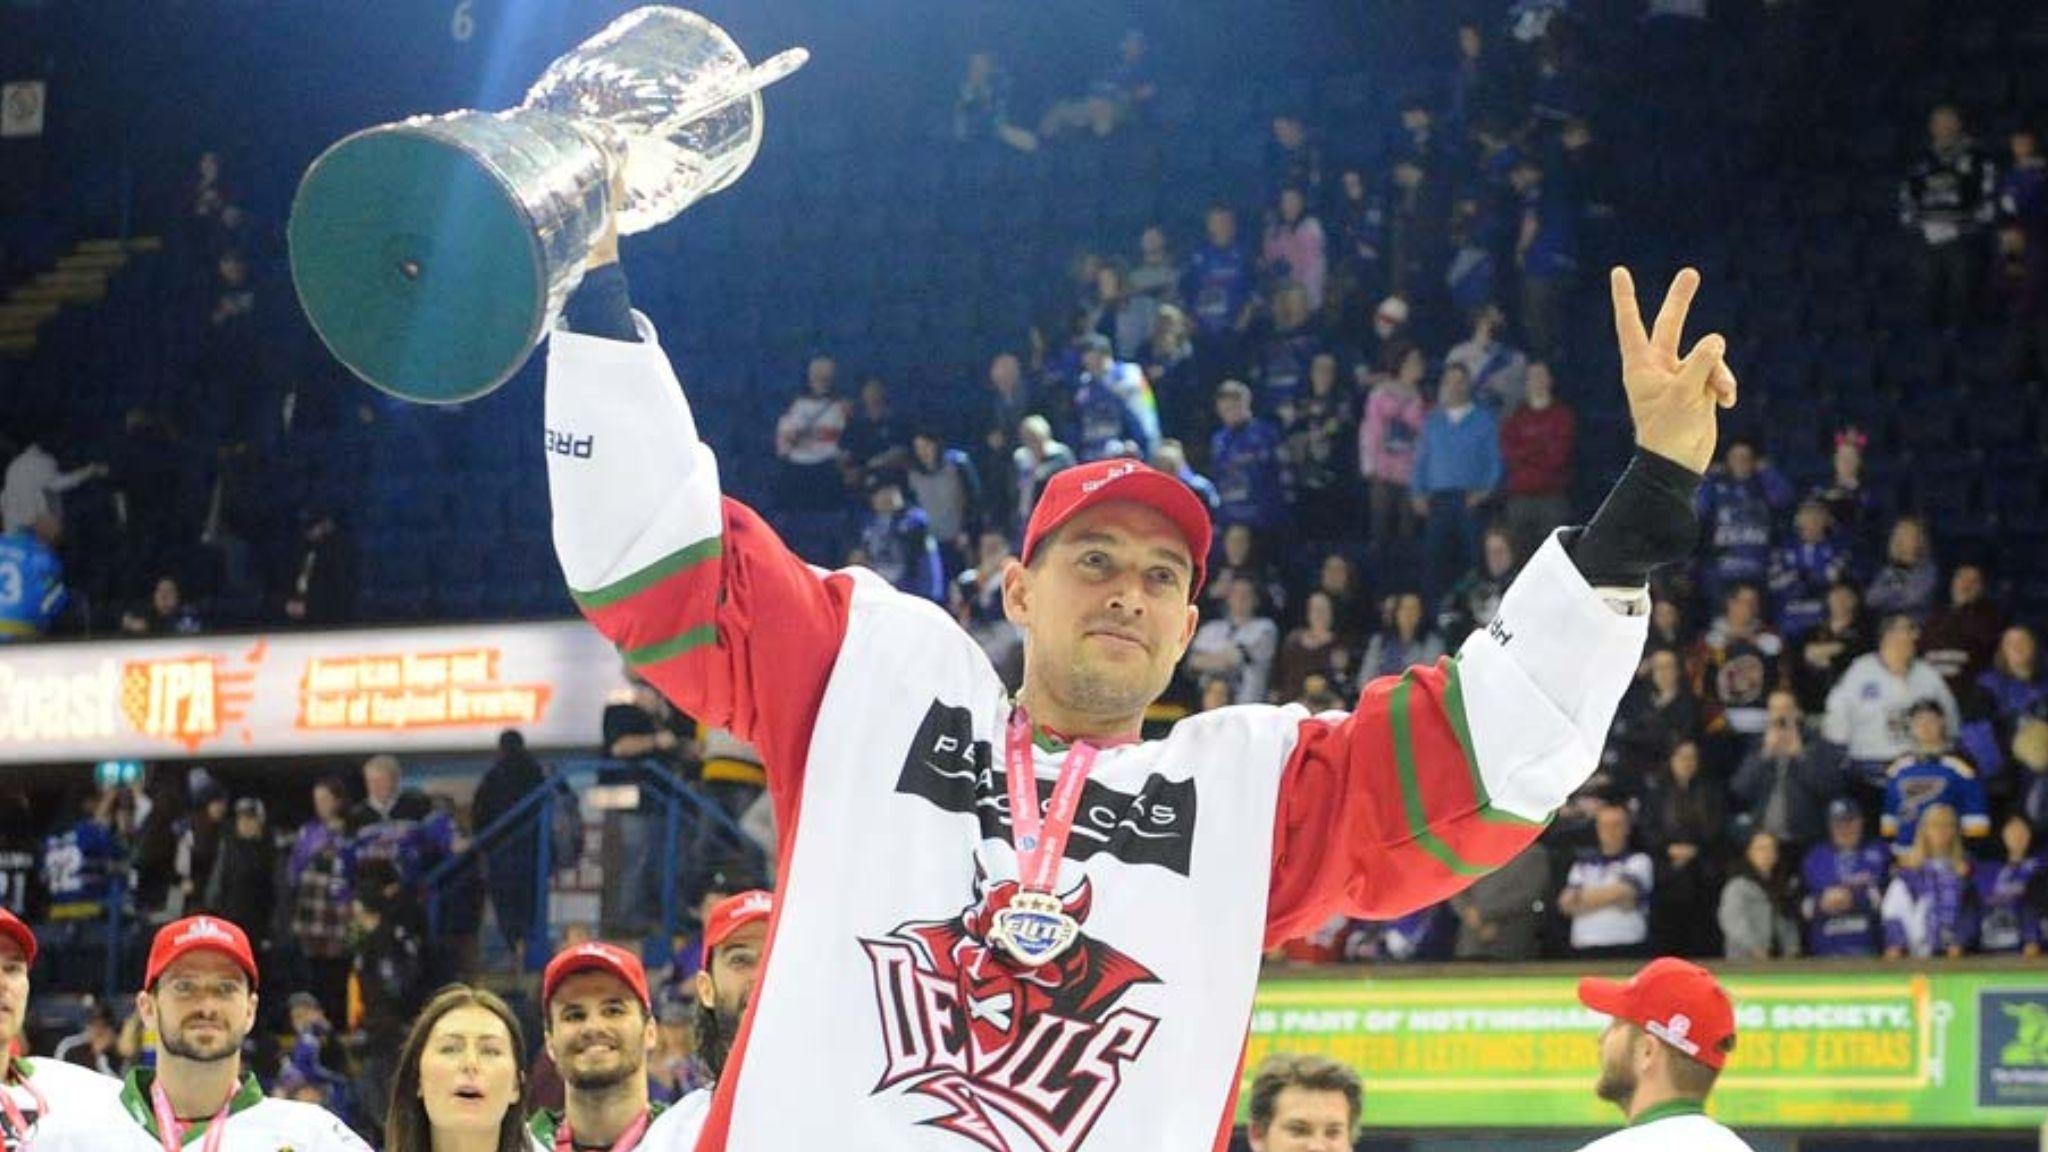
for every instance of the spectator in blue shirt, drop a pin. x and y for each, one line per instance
(1113, 405)
(2009, 893)
(1547, 253)
(1844, 881)
(898, 541)
(1244, 458)
(32, 589)
(1218, 282)
(1457, 468)
(1931, 775)
(1737, 506)
(1804, 569)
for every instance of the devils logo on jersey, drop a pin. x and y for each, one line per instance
(1024, 1057)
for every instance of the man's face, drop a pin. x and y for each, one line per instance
(1243, 599)
(1741, 461)
(248, 825)
(1944, 127)
(1152, 242)
(1896, 648)
(1782, 708)
(886, 500)
(1930, 728)
(927, 450)
(1966, 586)
(1104, 609)
(1096, 361)
(874, 396)
(13, 991)
(1846, 832)
(598, 1031)
(1232, 410)
(165, 598)
(1617, 1083)
(1742, 608)
(201, 1008)
(381, 784)
(727, 986)
(1306, 1120)
(1841, 600)
(1004, 371)
(818, 376)
(1221, 227)
(1456, 388)
(1812, 522)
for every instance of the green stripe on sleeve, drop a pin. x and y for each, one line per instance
(672, 647)
(1411, 787)
(678, 561)
(1454, 707)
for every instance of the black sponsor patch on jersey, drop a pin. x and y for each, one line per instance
(958, 773)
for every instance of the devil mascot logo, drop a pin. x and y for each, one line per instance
(1025, 1056)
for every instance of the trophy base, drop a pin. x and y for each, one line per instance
(418, 267)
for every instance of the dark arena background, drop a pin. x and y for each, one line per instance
(244, 594)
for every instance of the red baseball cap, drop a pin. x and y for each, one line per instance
(1083, 486)
(12, 928)
(595, 956)
(735, 912)
(181, 938)
(1674, 1000)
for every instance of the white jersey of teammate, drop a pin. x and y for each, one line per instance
(255, 1123)
(1677, 1127)
(677, 1129)
(65, 1090)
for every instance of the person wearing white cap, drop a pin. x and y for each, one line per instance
(199, 997)
(35, 1093)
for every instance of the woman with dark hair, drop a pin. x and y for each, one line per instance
(460, 1077)
(1684, 813)
(1756, 914)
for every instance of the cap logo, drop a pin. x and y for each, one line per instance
(1676, 1032)
(757, 902)
(1117, 472)
(203, 929)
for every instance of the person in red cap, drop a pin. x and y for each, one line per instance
(1008, 918)
(735, 936)
(598, 1025)
(35, 1095)
(199, 997)
(1671, 1031)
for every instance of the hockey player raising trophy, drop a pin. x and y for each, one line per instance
(432, 255)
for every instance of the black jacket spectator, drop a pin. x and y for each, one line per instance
(510, 866)
(1683, 822)
(322, 580)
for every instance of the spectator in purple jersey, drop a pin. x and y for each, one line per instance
(1930, 905)
(2015, 686)
(395, 825)
(2009, 893)
(1737, 505)
(1804, 568)
(2023, 183)
(1845, 882)
(1218, 281)
(1244, 462)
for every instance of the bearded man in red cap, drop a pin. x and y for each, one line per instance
(735, 934)
(199, 997)
(36, 1095)
(598, 1025)
(1672, 1027)
(1101, 901)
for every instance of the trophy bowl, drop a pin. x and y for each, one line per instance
(432, 255)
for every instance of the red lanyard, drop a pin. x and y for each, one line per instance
(17, 1124)
(171, 1130)
(627, 1141)
(1041, 842)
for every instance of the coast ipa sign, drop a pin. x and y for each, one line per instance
(421, 689)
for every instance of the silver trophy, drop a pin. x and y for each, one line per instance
(432, 255)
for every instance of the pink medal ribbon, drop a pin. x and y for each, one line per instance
(171, 1130)
(627, 1141)
(17, 1123)
(1035, 927)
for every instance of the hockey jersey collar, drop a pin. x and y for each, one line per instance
(1666, 1111)
(135, 1100)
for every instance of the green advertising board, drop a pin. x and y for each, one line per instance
(1814, 1049)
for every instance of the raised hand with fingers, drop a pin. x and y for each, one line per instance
(1672, 399)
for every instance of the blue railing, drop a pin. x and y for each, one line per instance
(669, 803)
